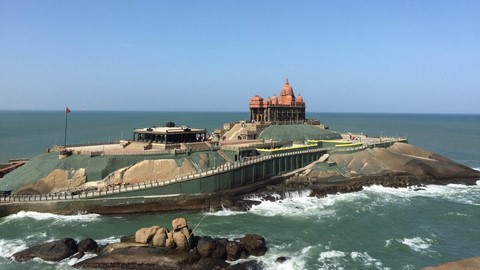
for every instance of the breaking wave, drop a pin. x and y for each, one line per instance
(300, 204)
(457, 193)
(10, 247)
(47, 216)
(416, 244)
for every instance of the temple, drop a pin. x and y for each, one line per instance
(286, 108)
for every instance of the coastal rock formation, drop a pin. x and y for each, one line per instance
(56, 181)
(52, 251)
(400, 165)
(149, 248)
(401, 158)
(465, 264)
(156, 247)
(150, 170)
(254, 244)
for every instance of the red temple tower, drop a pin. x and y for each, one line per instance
(286, 108)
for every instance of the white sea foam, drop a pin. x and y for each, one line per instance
(453, 192)
(224, 212)
(55, 217)
(302, 206)
(332, 259)
(10, 247)
(457, 214)
(417, 244)
(72, 261)
(295, 260)
(108, 240)
(367, 260)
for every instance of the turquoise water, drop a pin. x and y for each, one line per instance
(377, 228)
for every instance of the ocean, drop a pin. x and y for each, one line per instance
(376, 228)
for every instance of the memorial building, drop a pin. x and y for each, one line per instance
(285, 108)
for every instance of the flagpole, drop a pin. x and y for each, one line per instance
(65, 139)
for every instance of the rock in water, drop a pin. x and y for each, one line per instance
(235, 251)
(52, 251)
(179, 223)
(87, 245)
(282, 259)
(254, 244)
(145, 235)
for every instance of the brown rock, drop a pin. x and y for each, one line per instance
(128, 238)
(206, 246)
(190, 237)
(254, 244)
(160, 238)
(179, 223)
(180, 240)
(465, 264)
(235, 251)
(170, 243)
(220, 251)
(145, 235)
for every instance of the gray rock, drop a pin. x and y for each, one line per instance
(52, 251)
(87, 245)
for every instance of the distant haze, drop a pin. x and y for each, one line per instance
(341, 56)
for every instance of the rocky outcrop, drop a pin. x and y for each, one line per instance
(254, 244)
(400, 165)
(155, 248)
(56, 181)
(401, 158)
(52, 251)
(465, 264)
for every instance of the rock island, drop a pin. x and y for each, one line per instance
(179, 168)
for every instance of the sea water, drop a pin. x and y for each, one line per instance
(376, 228)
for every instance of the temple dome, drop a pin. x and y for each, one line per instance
(287, 90)
(170, 124)
(299, 98)
(274, 99)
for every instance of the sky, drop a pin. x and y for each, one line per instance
(341, 56)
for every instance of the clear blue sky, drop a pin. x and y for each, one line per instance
(342, 56)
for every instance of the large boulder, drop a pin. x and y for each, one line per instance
(145, 235)
(206, 246)
(180, 240)
(190, 237)
(51, 251)
(87, 245)
(160, 238)
(220, 251)
(179, 223)
(254, 244)
(235, 251)
(170, 243)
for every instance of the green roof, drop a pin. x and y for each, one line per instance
(297, 133)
